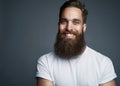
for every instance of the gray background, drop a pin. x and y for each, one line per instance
(28, 29)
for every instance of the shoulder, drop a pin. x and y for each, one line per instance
(97, 55)
(104, 66)
(98, 59)
(50, 54)
(47, 57)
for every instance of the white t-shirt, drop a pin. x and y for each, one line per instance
(89, 69)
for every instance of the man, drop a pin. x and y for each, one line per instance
(73, 63)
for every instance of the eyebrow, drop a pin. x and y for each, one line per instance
(62, 19)
(70, 20)
(76, 20)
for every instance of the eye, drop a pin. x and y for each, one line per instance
(76, 21)
(62, 21)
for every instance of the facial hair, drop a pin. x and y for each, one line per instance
(69, 48)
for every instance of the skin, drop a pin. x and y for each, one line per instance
(44, 82)
(71, 19)
(110, 83)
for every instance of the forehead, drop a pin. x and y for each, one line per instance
(72, 13)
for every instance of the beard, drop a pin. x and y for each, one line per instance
(69, 48)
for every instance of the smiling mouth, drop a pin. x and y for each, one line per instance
(70, 36)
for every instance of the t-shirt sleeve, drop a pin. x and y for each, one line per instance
(108, 72)
(42, 68)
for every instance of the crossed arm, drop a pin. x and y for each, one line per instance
(44, 82)
(110, 83)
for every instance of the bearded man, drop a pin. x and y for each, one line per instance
(73, 63)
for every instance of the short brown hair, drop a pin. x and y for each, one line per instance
(77, 4)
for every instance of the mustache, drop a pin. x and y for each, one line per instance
(68, 32)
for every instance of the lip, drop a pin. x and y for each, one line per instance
(70, 35)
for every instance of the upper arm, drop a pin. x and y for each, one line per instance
(110, 83)
(44, 82)
(43, 74)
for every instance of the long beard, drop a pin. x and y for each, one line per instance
(69, 48)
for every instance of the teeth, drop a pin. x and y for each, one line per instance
(70, 35)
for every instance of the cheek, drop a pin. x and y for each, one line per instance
(78, 29)
(61, 28)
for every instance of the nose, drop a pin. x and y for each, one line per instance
(69, 26)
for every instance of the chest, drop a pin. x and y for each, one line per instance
(75, 74)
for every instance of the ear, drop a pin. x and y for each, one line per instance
(84, 27)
